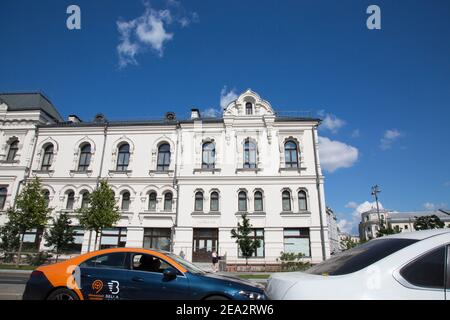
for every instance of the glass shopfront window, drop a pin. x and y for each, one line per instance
(113, 238)
(297, 241)
(157, 238)
(256, 234)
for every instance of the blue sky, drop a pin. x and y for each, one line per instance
(384, 93)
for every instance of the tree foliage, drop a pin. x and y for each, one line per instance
(10, 239)
(60, 236)
(293, 261)
(101, 212)
(428, 222)
(246, 243)
(347, 243)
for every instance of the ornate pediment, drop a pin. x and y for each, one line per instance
(248, 104)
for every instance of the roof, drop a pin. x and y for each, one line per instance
(412, 214)
(30, 101)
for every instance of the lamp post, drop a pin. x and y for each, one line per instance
(375, 191)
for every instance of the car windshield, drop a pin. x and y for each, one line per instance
(359, 257)
(186, 264)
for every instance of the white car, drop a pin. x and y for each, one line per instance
(413, 265)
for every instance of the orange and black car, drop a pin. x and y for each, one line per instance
(134, 274)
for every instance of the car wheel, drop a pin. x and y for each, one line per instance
(216, 298)
(63, 294)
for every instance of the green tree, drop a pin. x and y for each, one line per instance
(384, 231)
(428, 222)
(293, 261)
(31, 211)
(347, 243)
(60, 236)
(101, 212)
(247, 244)
(10, 239)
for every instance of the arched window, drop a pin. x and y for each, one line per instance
(47, 158)
(286, 198)
(249, 154)
(168, 201)
(70, 200)
(46, 194)
(125, 201)
(208, 155)
(85, 157)
(214, 201)
(85, 199)
(302, 203)
(259, 201)
(152, 201)
(248, 108)
(290, 154)
(163, 157)
(3, 194)
(123, 157)
(13, 148)
(242, 201)
(198, 201)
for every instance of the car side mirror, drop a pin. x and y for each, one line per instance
(170, 273)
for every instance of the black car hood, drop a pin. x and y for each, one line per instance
(228, 278)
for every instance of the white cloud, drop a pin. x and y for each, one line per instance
(227, 96)
(434, 206)
(149, 31)
(335, 154)
(355, 133)
(351, 205)
(330, 122)
(211, 113)
(389, 137)
(350, 224)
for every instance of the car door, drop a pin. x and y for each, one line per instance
(425, 276)
(447, 284)
(147, 281)
(105, 277)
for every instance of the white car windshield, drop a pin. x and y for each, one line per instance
(359, 257)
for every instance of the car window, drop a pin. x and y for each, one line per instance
(147, 262)
(427, 271)
(111, 261)
(186, 264)
(359, 257)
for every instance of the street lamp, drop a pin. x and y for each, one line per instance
(375, 191)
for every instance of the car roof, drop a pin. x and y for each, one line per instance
(417, 235)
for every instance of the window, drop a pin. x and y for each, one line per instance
(85, 200)
(163, 157)
(208, 155)
(248, 108)
(249, 154)
(123, 158)
(3, 194)
(149, 263)
(257, 234)
(13, 148)
(85, 157)
(117, 260)
(32, 239)
(406, 227)
(113, 238)
(302, 203)
(258, 201)
(242, 201)
(76, 245)
(152, 201)
(70, 200)
(297, 241)
(286, 199)
(214, 204)
(168, 201)
(125, 201)
(157, 238)
(46, 194)
(360, 257)
(427, 271)
(290, 154)
(198, 201)
(47, 158)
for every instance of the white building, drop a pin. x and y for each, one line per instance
(181, 185)
(333, 231)
(369, 225)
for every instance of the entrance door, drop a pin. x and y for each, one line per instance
(205, 241)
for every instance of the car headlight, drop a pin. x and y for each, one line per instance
(252, 295)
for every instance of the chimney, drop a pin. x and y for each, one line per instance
(195, 113)
(74, 118)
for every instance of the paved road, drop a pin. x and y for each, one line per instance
(12, 285)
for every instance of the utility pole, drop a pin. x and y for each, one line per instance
(375, 191)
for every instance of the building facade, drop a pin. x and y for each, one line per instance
(369, 225)
(333, 231)
(180, 185)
